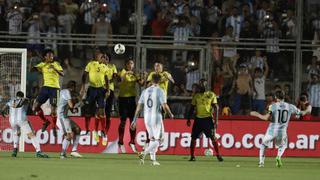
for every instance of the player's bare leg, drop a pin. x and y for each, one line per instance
(65, 143)
(36, 145)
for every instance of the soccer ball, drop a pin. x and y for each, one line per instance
(208, 152)
(119, 48)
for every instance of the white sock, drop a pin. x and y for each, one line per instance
(65, 144)
(281, 150)
(15, 140)
(152, 146)
(75, 143)
(261, 153)
(35, 143)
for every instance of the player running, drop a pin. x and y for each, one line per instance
(69, 128)
(279, 114)
(205, 104)
(97, 91)
(127, 101)
(51, 71)
(18, 120)
(152, 99)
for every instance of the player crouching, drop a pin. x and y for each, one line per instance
(18, 120)
(69, 128)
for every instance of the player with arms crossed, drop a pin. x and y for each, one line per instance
(204, 103)
(153, 99)
(97, 91)
(279, 114)
(51, 71)
(69, 128)
(18, 120)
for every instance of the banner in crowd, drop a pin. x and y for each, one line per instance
(240, 137)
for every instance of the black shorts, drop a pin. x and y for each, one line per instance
(127, 107)
(204, 125)
(48, 93)
(109, 103)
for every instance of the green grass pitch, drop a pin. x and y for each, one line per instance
(112, 166)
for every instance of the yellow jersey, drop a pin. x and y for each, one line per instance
(164, 82)
(203, 103)
(97, 73)
(50, 76)
(110, 70)
(127, 86)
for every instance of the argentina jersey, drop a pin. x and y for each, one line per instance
(152, 98)
(17, 111)
(280, 115)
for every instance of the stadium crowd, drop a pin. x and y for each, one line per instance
(239, 76)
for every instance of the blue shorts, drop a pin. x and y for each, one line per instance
(48, 93)
(95, 97)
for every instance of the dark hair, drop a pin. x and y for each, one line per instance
(304, 94)
(20, 94)
(128, 60)
(156, 78)
(279, 94)
(71, 84)
(46, 51)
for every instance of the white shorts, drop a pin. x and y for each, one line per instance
(156, 131)
(23, 126)
(64, 124)
(279, 135)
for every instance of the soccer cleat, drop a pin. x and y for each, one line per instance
(155, 163)
(219, 157)
(14, 152)
(278, 162)
(54, 131)
(96, 136)
(261, 165)
(104, 141)
(141, 156)
(133, 147)
(63, 156)
(45, 125)
(39, 154)
(192, 158)
(75, 154)
(122, 148)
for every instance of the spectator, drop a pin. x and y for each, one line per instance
(212, 13)
(259, 96)
(14, 86)
(243, 89)
(65, 23)
(102, 31)
(227, 84)
(218, 81)
(46, 16)
(289, 25)
(313, 68)
(197, 9)
(313, 91)
(114, 8)
(215, 49)
(248, 31)
(184, 91)
(15, 18)
(229, 51)
(288, 93)
(235, 21)
(159, 25)
(304, 105)
(149, 9)
(272, 34)
(181, 30)
(89, 10)
(257, 61)
(71, 8)
(35, 26)
(195, 26)
(192, 73)
(70, 73)
(3, 16)
(179, 6)
(52, 32)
